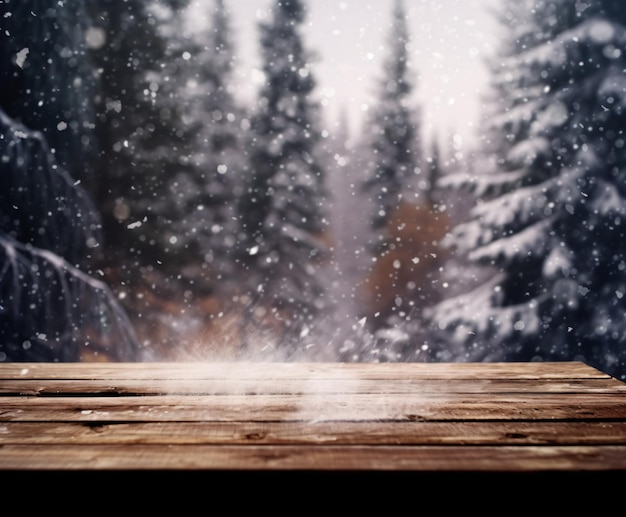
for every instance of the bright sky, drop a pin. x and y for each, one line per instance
(450, 40)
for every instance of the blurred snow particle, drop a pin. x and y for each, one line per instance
(20, 58)
(95, 37)
(114, 105)
(602, 31)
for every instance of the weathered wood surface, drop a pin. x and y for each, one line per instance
(488, 417)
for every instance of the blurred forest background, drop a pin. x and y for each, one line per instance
(147, 214)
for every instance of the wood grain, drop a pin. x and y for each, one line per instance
(498, 417)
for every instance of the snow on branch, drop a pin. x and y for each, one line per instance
(528, 151)
(559, 51)
(483, 232)
(49, 310)
(481, 185)
(516, 117)
(473, 314)
(521, 205)
(531, 241)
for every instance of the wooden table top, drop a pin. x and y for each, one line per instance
(264, 417)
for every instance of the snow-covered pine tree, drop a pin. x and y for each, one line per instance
(403, 224)
(49, 309)
(139, 134)
(204, 193)
(552, 216)
(47, 81)
(393, 132)
(280, 210)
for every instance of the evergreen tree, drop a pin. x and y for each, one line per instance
(139, 133)
(551, 220)
(282, 221)
(408, 277)
(394, 133)
(50, 310)
(205, 191)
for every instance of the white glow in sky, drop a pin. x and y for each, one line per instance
(450, 40)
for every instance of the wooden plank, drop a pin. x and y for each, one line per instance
(322, 433)
(300, 371)
(358, 458)
(323, 407)
(481, 417)
(151, 387)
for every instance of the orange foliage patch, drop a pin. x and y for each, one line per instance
(405, 275)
